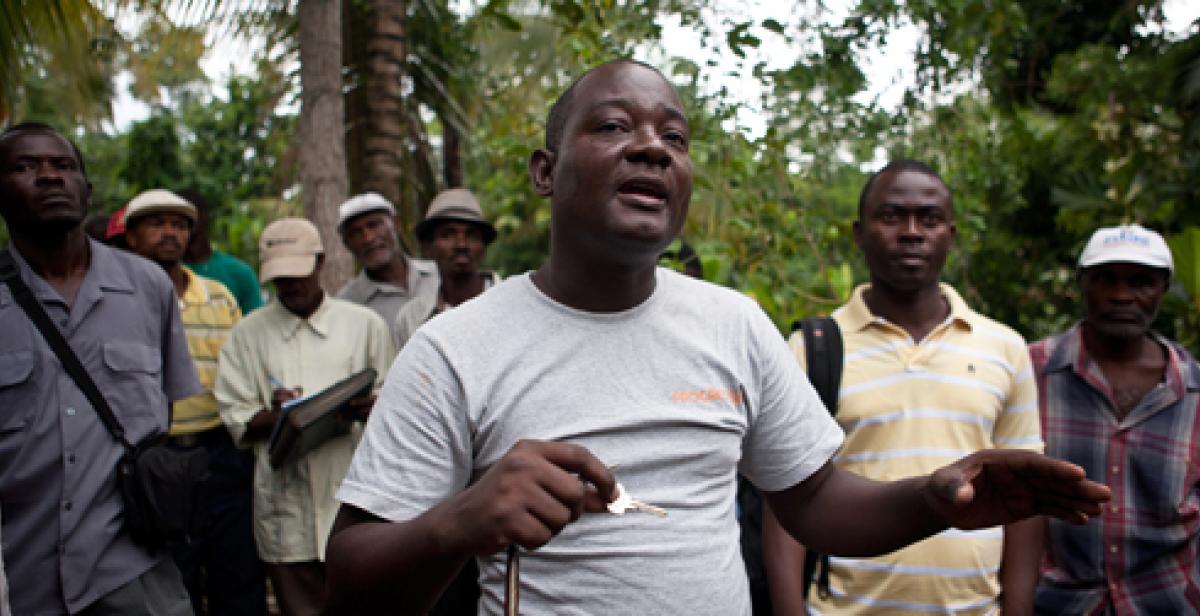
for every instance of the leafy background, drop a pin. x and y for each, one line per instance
(1047, 118)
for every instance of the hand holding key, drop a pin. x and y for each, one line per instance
(526, 498)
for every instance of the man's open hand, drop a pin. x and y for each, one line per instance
(999, 486)
(526, 498)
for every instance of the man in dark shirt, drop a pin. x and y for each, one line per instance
(65, 546)
(1123, 402)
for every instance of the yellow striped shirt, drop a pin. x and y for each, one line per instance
(907, 409)
(209, 311)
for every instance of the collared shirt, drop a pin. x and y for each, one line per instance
(64, 540)
(294, 505)
(426, 306)
(209, 311)
(1140, 555)
(387, 299)
(238, 277)
(909, 408)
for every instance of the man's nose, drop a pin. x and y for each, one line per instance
(910, 228)
(1121, 291)
(648, 147)
(49, 172)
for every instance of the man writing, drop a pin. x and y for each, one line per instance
(219, 566)
(1123, 402)
(302, 342)
(926, 380)
(601, 366)
(66, 548)
(456, 235)
(389, 278)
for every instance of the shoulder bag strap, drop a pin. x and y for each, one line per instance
(24, 297)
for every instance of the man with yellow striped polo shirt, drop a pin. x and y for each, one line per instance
(926, 380)
(220, 567)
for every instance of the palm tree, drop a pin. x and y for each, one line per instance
(322, 120)
(66, 42)
(384, 143)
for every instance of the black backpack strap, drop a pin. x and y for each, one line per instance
(824, 356)
(70, 362)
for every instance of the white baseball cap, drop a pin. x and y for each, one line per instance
(288, 248)
(361, 204)
(1127, 244)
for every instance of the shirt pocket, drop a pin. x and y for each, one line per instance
(16, 406)
(134, 387)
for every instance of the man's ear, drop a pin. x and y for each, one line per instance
(541, 171)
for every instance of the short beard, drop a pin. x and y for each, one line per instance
(1121, 332)
(166, 265)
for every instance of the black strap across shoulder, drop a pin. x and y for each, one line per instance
(825, 356)
(70, 362)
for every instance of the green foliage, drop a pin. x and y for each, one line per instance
(1047, 119)
(154, 159)
(60, 46)
(165, 59)
(1185, 249)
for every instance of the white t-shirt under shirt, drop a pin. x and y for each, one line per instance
(678, 393)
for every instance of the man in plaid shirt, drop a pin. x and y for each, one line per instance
(1124, 403)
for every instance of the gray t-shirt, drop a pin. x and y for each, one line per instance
(679, 393)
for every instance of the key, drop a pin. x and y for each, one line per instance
(624, 502)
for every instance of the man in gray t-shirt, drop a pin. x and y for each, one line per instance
(600, 367)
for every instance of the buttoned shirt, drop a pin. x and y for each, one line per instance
(1140, 555)
(386, 299)
(65, 544)
(908, 408)
(294, 505)
(426, 306)
(209, 312)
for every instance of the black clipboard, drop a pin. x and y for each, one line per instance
(307, 423)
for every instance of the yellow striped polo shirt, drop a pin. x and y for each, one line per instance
(209, 311)
(908, 409)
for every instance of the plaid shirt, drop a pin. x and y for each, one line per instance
(1140, 555)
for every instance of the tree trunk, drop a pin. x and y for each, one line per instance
(385, 140)
(452, 169)
(322, 145)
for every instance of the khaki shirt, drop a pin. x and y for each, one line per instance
(294, 506)
(387, 299)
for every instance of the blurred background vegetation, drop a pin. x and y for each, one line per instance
(1047, 118)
